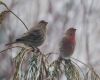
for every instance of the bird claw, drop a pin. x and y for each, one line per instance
(36, 50)
(67, 61)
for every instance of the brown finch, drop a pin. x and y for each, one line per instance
(67, 43)
(35, 36)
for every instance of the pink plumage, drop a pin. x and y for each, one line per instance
(67, 43)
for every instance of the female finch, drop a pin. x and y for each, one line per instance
(67, 43)
(35, 37)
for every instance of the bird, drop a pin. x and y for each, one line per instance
(35, 36)
(67, 43)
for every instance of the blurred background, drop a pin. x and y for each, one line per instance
(84, 15)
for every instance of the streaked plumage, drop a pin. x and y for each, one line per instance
(36, 36)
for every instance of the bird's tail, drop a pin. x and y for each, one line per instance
(9, 43)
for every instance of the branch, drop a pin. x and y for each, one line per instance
(14, 14)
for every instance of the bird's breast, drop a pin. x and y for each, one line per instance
(66, 48)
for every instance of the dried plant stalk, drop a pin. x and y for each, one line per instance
(91, 75)
(71, 71)
(17, 62)
(37, 67)
(54, 70)
(2, 3)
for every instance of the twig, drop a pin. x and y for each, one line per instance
(10, 48)
(79, 68)
(14, 14)
(83, 63)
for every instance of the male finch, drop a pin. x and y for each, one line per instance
(67, 43)
(35, 37)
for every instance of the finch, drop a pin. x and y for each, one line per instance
(35, 36)
(67, 44)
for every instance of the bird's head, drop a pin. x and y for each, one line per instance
(70, 33)
(43, 25)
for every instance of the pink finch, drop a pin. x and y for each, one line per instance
(67, 43)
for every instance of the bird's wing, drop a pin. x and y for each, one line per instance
(29, 36)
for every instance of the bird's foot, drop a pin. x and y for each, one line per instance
(37, 50)
(67, 61)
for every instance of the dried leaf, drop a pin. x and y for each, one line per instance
(3, 15)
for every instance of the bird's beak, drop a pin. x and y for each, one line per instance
(75, 29)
